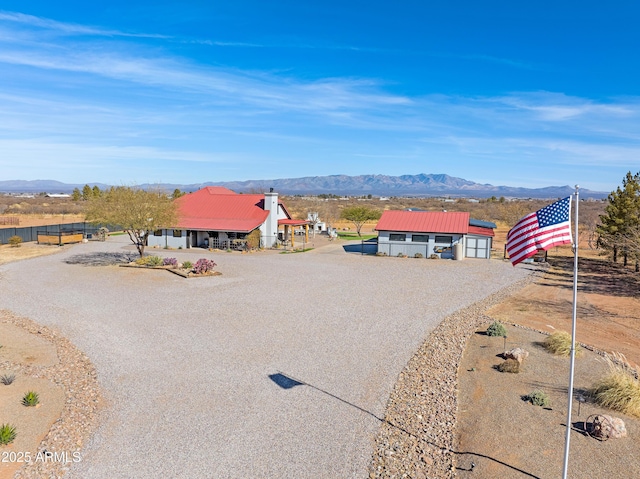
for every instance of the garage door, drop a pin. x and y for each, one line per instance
(477, 247)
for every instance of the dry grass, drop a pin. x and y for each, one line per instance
(559, 343)
(509, 366)
(620, 389)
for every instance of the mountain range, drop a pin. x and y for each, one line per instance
(377, 185)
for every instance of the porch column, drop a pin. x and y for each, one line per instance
(306, 233)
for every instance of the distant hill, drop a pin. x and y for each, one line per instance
(378, 185)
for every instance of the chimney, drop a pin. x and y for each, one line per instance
(271, 223)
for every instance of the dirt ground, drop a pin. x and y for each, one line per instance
(505, 436)
(23, 349)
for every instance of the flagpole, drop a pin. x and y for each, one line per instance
(573, 339)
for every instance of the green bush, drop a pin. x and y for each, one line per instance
(15, 241)
(30, 399)
(509, 366)
(187, 265)
(538, 398)
(496, 329)
(620, 389)
(559, 343)
(7, 434)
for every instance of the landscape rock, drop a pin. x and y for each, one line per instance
(518, 354)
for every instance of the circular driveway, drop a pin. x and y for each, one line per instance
(279, 368)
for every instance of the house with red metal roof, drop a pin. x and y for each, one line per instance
(216, 217)
(442, 233)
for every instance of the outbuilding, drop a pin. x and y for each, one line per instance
(442, 233)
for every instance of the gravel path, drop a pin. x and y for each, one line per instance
(194, 370)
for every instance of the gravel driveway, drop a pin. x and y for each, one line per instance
(199, 372)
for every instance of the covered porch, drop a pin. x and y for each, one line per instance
(287, 237)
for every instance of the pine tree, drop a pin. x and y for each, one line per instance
(621, 219)
(87, 193)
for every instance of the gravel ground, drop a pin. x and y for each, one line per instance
(194, 370)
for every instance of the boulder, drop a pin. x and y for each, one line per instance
(518, 354)
(618, 429)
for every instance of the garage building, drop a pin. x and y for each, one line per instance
(434, 232)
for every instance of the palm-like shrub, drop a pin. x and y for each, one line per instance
(30, 399)
(7, 434)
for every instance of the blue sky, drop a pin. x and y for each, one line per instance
(546, 93)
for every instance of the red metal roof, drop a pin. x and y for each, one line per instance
(479, 230)
(290, 222)
(424, 222)
(215, 208)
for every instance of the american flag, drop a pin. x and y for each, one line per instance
(544, 229)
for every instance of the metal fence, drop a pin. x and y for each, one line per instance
(30, 233)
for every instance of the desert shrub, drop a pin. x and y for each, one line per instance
(15, 241)
(203, 265)
(253, 240)
(7, 434)
(559, 343)
(170, 262)
(30, 399)
(418, 255)
(434, 256)
(187, 265)
(380, 253)
(150, 261)
(7, 379)
(402, 255)
(509, 366)
(538, 398)
(496, 329)
(620, 389)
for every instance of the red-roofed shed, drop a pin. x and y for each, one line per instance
(442, 233)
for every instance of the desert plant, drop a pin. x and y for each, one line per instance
(418, 255)
(253, 239)
(7, 434)
(203, 265)
(434, 256)
(170, 262)
(509, 366)
(150, 261)
(538, 398)
(496, 329)
(15, 241)
(559, 343)
(620, 389)
(30, 399)
(187, 265)
(7, 379)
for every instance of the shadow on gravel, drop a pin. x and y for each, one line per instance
(101, 259)
(288, 382)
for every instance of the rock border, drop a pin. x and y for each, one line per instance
(417, 437)
(78, 378)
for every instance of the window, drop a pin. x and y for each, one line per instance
(177, 233)
(157, 233)
(444, 239)
(397, 237)
(420, 238)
